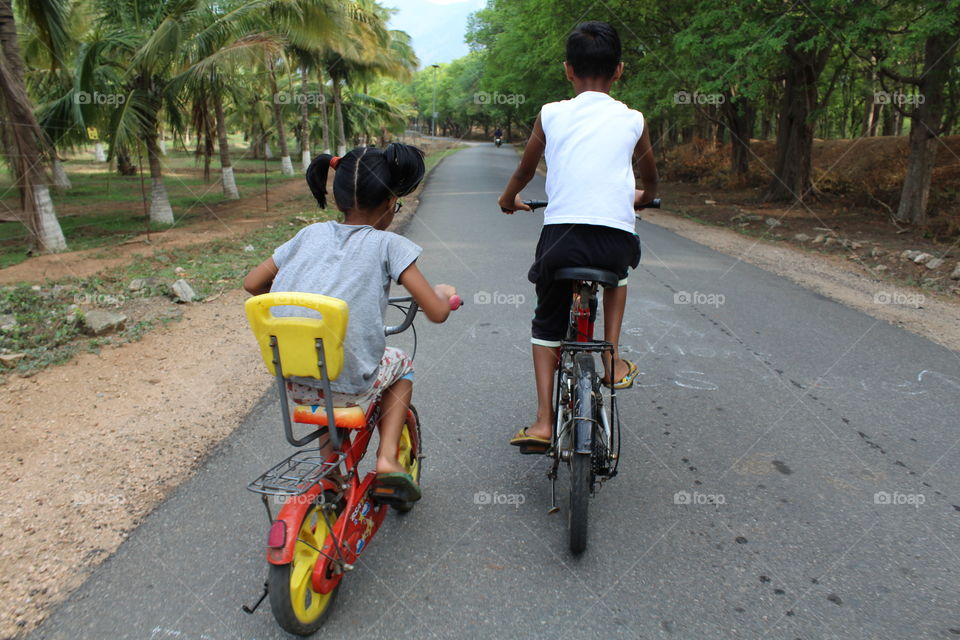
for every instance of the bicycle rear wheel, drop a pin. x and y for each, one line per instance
(581, 464)
(296, 606)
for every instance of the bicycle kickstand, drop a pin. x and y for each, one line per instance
(247, 609)
(553, 492)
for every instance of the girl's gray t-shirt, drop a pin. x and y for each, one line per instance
(353, 263)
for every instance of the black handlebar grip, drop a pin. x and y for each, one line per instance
(653, 204)
(535, 204)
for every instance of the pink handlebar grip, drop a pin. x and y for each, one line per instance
(455, 302)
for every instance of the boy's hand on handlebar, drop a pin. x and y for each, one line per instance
(508, 206)
(641, 198)
(444, 291)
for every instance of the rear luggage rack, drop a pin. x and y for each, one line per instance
(295, 475)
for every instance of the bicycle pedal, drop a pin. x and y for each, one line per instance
(529, 450)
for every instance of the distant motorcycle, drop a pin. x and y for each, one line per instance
(498, 141)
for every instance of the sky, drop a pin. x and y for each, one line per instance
(436, 26)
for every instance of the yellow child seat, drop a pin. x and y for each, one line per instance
(307, 347)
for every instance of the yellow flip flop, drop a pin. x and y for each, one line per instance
(529, 444)
(626, 381)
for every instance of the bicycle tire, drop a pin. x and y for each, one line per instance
(296, 607)
(581, 467)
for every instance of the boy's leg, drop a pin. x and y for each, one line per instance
(394, 405)
(544, 370)
(614, 304)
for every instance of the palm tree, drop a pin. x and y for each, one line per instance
(25, 139)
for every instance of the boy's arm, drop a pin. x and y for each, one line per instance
(510, 200)
(645, 166)
(260, 279)
(435, 301)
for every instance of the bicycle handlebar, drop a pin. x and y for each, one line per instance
(537, 204)
(455, 303)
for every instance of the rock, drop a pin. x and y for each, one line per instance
(855, 245)
(137, 284)
(909, 254)
(179, 270)
(183, 291)
(7, 322)
(829, 241)
(801, 237)
(880, 267)
(956, 272)
(10, 359)
(935, 263)
(249, 248)
(35, 287)
(922, 258)
(100, 323)
(772, 222)
(709, 202)
(876, 252)
(820, 238)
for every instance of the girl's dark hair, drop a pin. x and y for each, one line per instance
(593, 50)
(366, 176)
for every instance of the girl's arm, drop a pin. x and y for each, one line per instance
(435, 301)
(261, 277)
(510, 200)
(645, 166)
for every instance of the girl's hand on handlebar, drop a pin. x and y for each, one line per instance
(509, 206)
(444, 291)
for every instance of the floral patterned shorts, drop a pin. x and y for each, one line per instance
(394, 365)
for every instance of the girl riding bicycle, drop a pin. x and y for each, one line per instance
(355, 261)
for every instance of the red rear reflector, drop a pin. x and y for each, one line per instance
(278, 535)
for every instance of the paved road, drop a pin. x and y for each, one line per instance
(790, 410)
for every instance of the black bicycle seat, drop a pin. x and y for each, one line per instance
(605, 278)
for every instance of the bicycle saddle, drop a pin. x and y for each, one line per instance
(605, 278)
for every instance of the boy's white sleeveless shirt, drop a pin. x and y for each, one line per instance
(589, 154)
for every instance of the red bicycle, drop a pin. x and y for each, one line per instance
(329, 511)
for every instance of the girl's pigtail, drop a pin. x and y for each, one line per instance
(406, 167)
(317, 177)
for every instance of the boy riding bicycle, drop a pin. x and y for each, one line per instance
(355, 261)
(594, 146)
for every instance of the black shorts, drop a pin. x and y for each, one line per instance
(574, 245)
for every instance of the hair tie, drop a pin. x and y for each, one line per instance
(334, 161)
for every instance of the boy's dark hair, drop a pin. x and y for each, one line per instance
(593, 50)
(366, 176)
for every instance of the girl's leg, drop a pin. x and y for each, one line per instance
(544, 370)
(393, 405)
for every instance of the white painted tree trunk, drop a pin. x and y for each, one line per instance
(341, 150)
(48, 227)
(60, 179)
(266, 151)
(305, 159)
(160, 210)
(229, 184)
(163, 146)
(99, 153)
(286, 166)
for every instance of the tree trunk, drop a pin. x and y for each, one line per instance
(740, 114)
(325, 123)
(285, 165)
(925, 123)
(60, 179)
(24, 140)
(338, 112)
(160, 210)
(98, 152)
(304, 123)
(226, 165)
(792, 171)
